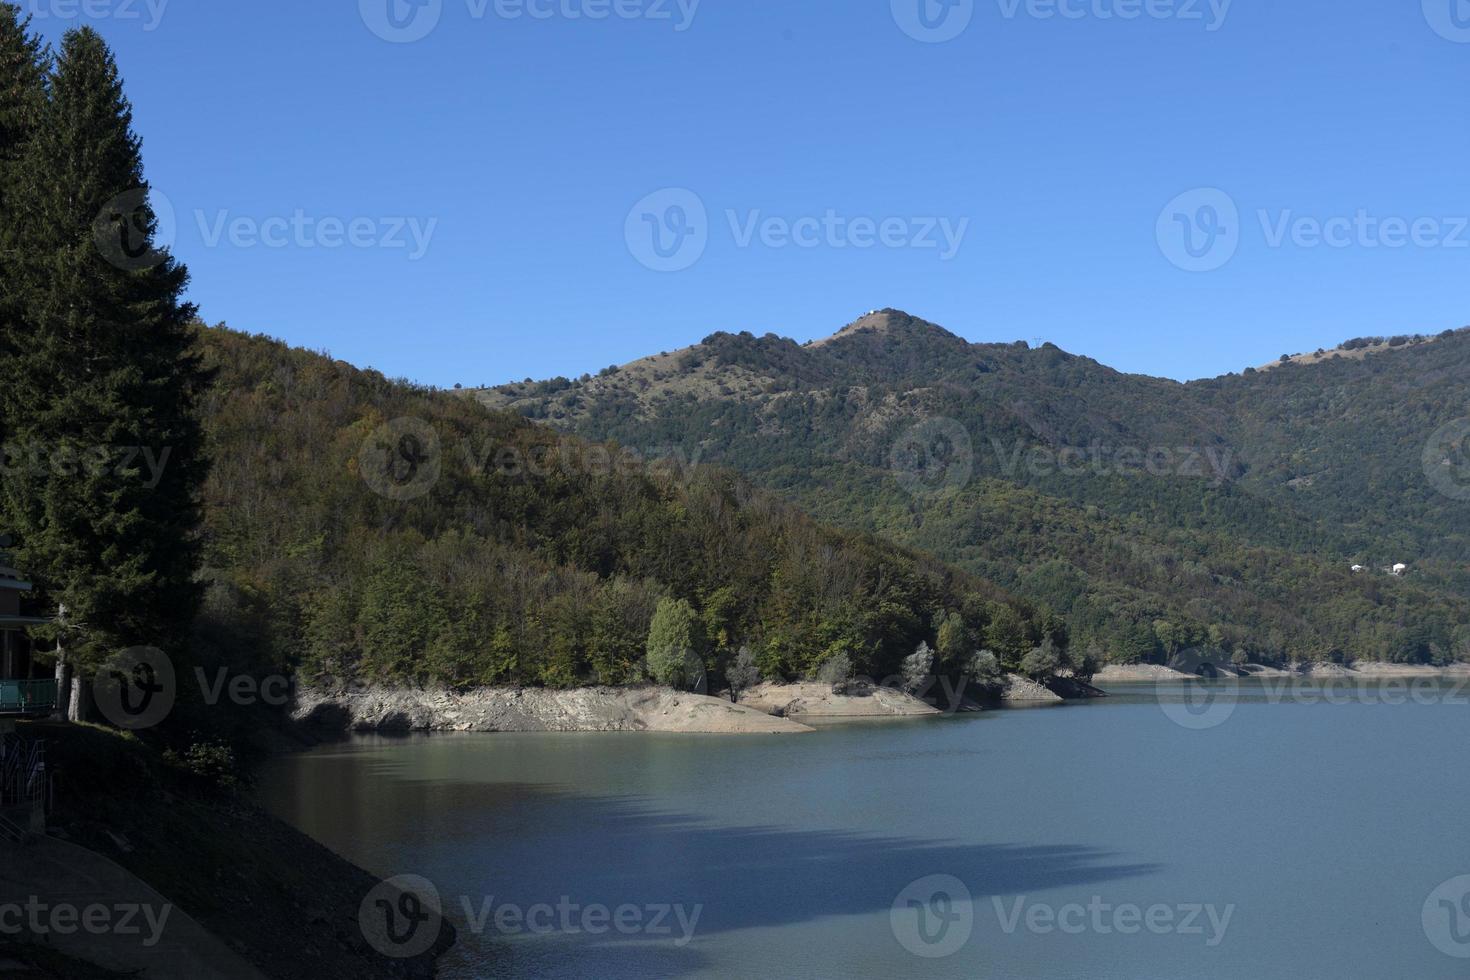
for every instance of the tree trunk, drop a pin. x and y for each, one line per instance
(80, 708)
(63, 686)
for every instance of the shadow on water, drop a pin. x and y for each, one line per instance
(751, 876)
(526, 844)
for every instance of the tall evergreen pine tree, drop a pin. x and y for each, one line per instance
(23, 75)
(23, 70)
(105, 366)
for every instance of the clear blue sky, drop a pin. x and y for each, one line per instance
(1060, 139)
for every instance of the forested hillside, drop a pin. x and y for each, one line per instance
(373, 529)
(1151, 515)
(1347, 440)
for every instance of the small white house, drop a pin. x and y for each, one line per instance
(1359, 568)
(1400, 569)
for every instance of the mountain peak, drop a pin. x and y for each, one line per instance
(879, 323)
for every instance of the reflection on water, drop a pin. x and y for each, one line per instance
(1323, 825)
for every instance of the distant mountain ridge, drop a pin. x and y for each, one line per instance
(1227, 510)
(1358, 348)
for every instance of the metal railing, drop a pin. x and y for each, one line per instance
(24, 776)
(27, 697)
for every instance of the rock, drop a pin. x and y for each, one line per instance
(1024, 689)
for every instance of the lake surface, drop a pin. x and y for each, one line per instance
(1148, 835)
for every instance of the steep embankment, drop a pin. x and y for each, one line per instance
(161, 942)
(271, 898)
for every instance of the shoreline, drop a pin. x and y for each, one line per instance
(374, 708)
(766, 709)
(1136, 673)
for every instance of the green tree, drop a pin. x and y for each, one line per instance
(102, 384)
(1008, 635)
(675, 644)
(502, 665)
(1172, 637)
(721, 611)
(1135, 644)
(23, 77)
(618, 632)
(23, 74)
(954, 639)
(1042, 662)
(331, 639)
(1089, 663)
(399, 619)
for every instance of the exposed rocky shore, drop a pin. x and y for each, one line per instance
(491, 709)
(765, 709)
(814, 701)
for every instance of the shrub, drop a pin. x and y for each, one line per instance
(214, 761)
(837, 671)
